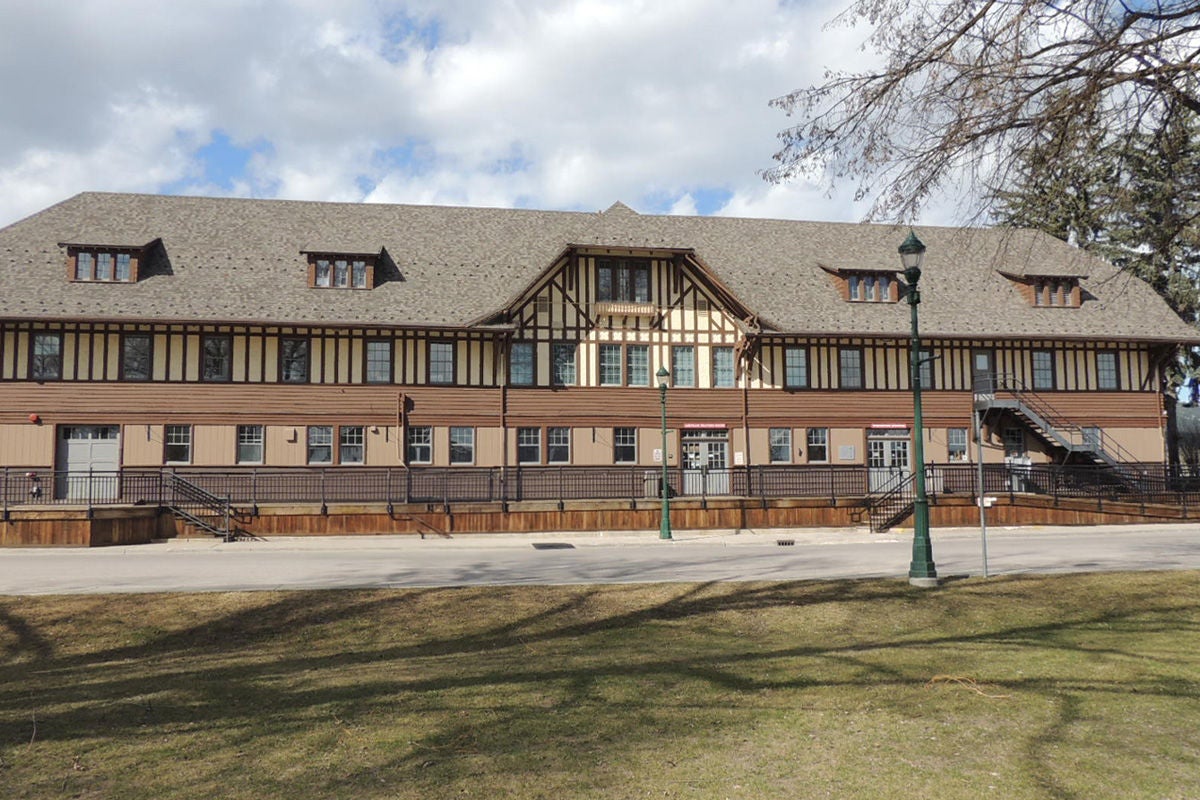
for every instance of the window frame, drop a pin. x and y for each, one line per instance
(802, 351)
(630, 366)
(1102, 384)
(608, 373)
(346, 436)
(532, 439)
(469, 444)
(775, 438)
(172, 431)
(621, 444)
(122, 264)
(843, 369)
(40, 363)
(1038, 374)
(952, 446)
(433, 378)
(226, 374)
(526, 362)
(722, 350)
(816, 439)
(559, 374)
(623, 274)
(412, 446)
(123, 364)
(677, 352)
(355, 271)
(326, 440)
(368, 362)
(553, 457)
(244, 440)
(287, 358)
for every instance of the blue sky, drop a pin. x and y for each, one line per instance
(556, 104)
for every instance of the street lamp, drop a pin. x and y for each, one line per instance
(921, 572)
(664, 531)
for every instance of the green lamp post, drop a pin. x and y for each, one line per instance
(664, 531)
(922, 571)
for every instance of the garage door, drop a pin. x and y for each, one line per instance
(88, 459)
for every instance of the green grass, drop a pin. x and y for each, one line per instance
(1081, 686)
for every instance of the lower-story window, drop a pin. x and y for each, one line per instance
(781, 445)
(177, 444)
(558, 445)
(956, 444)
(249, 444)
(320, 444)
(462, 445)
(529, 445)
(624, 445)
(352, 444)
(420, 444)
(818, 444)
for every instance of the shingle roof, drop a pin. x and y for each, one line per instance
(242, 260)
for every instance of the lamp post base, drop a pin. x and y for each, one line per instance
(924, 583)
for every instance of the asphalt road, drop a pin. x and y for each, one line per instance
(580, 558)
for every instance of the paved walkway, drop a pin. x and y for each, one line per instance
(574, 557)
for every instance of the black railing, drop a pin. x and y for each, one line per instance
(436, 486)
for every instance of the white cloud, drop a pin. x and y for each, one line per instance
(551, 104)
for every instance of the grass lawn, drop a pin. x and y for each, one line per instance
(1076, 686)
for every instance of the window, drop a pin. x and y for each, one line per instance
(137, 356)
(1043, 369)
(558, 445)
(521, 370)
(683, 366)
(956, 444)
(637, 365)
(925, 368)
(320, 444)
(420, 444)
(1014, 442)
(441, 362)
(722, 368)
(850, 372)
(562, 363)
(869, 287)
(818, 444)
(352, 444)
(781, 445)
(462, 445)
(1056, 292)
(249, 444)
(177, 444)
(218, 358)
(1107, 378)
(379, 361)
(795, 367)
(623, 280)
(529, 445)
(106, 266)
(610, 365)
(345, 272)
(45, 363)
(624, 445)
(293, 360)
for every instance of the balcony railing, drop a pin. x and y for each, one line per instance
(434, 486)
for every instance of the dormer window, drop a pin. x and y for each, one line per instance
(866, 286)
(341, 271)
(92, 264)
(1063, 292)
(623, 280)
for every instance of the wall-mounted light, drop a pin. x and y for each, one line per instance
(35, 419)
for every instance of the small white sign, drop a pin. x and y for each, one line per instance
(739, 458)
(658, 455)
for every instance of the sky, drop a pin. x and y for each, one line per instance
(548, 104)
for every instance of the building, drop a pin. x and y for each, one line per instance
(148, 331)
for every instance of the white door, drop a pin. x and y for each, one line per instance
(88, 459)
(887, 461)
(705, 462)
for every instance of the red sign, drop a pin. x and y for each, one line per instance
(888, 426)
(705, 426)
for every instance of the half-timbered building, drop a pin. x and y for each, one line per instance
(257, 335)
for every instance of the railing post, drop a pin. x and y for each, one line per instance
(324, 506)
(560, 489)
(446, 490)
(89, 492)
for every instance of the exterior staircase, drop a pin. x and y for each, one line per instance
(892, 503)
(1089, 444)
(200, 508)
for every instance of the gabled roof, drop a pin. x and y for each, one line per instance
(243, 260)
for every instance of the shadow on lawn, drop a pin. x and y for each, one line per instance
(574, 671)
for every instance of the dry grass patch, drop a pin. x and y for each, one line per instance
(1033, 687)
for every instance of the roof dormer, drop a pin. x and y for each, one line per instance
(329, 269)
(866, 285)
(1048, 291)
(105, 263)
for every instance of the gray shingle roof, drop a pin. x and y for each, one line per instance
(242, 260)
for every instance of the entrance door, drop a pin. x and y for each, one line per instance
(88, 459)
(983, 372)
(705, 462)
(887, 460)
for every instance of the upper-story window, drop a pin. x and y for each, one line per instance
(870, 287)
(795, 367)
(623, 280)
(293, 360)
(217, 362)
(723, 373)
(562, 363)
(102, 264)
(441, 362)
(45, 363)
(523, 367)
(137, 356)
(1061, 292)
(341, 270)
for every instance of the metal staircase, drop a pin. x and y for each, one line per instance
(199, 507)
(892, 503)
(1007, 393)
